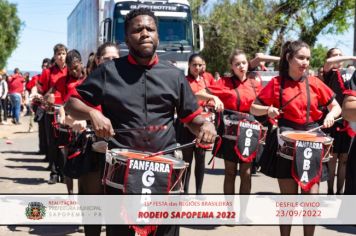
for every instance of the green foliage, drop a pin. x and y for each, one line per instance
(230, 26)
(318, 55)
(10, 26)
(264, 25)
(325, 16)
(195, 6)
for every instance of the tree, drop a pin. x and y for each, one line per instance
(318, 55)
(229, 26)
(264, 25)
(10, 26)
(306, 19)
(332, 18)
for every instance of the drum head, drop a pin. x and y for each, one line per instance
(295, 135)
(124, 154)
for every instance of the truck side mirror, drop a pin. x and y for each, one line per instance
(107, 30)
(199, 37)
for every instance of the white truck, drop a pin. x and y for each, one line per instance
(93, 22)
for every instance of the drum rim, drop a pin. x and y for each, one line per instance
(288, 157)
(177, 163)
(328, 140)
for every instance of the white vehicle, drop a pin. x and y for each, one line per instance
(93, 22)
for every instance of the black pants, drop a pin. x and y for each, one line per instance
(350, 182)
(3, 109)
(199, 155)
(42, 136)
(53, 153)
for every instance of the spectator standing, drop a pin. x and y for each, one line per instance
(25, 96)
(16, 88)
(3, 98)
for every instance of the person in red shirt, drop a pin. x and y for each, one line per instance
(34, 80)
(75, 76)
(277, 100)
(237, 94)
(48, 79)
(63, 86)
(204, 73)
(45, 65)
(342, 141)
(91, 182)
(198, 82)
(349, 105)
(33, 86)
(349, 114)
(16, 89)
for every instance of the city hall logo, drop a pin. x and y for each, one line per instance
(35, 211)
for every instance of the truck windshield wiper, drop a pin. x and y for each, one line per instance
(174, 47)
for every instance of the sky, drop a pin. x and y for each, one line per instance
(45, 24)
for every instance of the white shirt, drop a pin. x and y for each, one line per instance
(3, 89)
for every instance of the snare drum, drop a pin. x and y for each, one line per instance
(287, 140)
(116, 164)
(63, 134)
(230, 129)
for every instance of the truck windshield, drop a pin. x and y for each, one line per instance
(171, 31)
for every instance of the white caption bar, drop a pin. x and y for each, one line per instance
(177, 209)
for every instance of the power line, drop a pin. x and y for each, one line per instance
(44, 30)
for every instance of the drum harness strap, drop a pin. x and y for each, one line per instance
(237, 92)
(206, 88)
(281, 87)
(219, 142)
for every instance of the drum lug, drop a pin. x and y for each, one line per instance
(109, 158)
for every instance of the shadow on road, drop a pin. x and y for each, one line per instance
(34, 168)
(22, 132)
(47, 230)
(28, 181)
(21, 152)
(25, 160)
(215, 171)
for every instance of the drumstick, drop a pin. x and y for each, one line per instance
(321, 126)
(289, 101)
(238, 113)
(232, 111)
(111, 139)
(187, 145)
(242, 114)
(150, 128)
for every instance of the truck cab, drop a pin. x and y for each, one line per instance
(175, 28)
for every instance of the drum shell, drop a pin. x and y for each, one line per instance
(116, 164)
(275, 166)
(287, 144)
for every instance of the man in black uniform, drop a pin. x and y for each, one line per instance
(137, 91)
